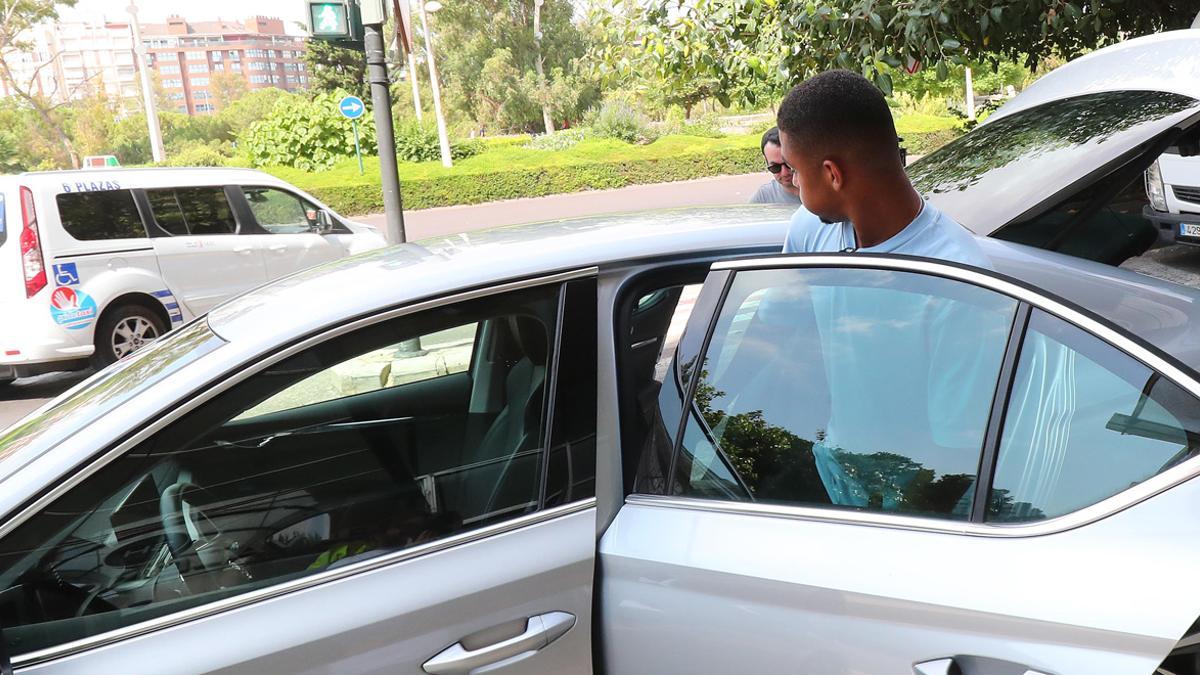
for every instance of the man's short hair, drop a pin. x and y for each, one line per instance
(840, 112)
(771, 136)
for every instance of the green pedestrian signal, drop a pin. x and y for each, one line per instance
(335, 20)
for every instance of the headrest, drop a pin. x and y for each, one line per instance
(530, 336)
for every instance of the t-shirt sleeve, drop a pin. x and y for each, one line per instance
(800, 235)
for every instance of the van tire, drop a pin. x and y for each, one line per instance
(123, 330)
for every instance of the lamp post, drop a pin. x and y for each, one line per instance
(443, 139)
(139, 52)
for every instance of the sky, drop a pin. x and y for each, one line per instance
(156, 11)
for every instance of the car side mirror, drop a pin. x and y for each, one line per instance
(321, 221)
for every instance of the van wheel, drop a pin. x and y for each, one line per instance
(125, 330)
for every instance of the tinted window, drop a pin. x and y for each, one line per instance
(195, 211)
(864, 389)
(1084, 422)
(571, 473)
(1031, 154)
(107, 214)
(278, 211)
(218, 503)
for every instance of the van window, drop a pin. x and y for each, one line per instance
(279, 212)
(194, 211)
(100, 215)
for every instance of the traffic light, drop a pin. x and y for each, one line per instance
(336, 21)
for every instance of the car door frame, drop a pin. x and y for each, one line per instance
(291, 246)
(112, 646)
(699, 332)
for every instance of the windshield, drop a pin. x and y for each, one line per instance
(1004, 168)
(102, 393)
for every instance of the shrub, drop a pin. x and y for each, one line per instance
(474, 188)
(559, 140)
(706, 126)
(197, 154)
(417, 142)
(305, 133)
(618, 119)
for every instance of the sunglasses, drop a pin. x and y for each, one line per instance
(776, 167)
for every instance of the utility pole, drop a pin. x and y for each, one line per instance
(970, 95)
(443, 138)
(381, 101)
(412, 77)
(139, 51)
(547, 119)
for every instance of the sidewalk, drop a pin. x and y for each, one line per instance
(702, 192)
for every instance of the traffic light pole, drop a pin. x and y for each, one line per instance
(381, 101)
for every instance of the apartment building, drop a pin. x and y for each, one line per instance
(187, 55)
(70, 61)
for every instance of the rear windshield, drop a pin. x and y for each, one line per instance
(1003, 168)
(104, 214)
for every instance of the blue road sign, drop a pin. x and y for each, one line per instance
(352, 107)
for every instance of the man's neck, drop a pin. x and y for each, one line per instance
(884, 215)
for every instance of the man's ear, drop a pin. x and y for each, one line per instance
(834, 175)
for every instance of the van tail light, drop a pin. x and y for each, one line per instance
(32, 261)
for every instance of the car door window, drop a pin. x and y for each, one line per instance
(105, 214)
(444, 352)
(1084, 422)
(279, 212)
(219, 503)
(192, 210)
(864, 389)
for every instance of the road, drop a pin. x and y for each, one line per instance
(25, 395)
(1176, 263)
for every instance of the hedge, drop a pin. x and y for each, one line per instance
(356, 195)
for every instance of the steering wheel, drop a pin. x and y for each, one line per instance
(175, 520)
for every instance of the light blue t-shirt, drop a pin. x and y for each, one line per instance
(932, 234)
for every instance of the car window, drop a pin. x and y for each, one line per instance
(215, 504)
(106, 214)
(1084, 422)
(862, 389)
(437, 354)
(192, 211)
(277, 211)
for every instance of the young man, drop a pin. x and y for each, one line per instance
(837, 135)
(778, 190)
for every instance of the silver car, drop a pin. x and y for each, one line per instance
(647, 444)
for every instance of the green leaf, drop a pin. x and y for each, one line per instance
(942, 71)
(950, 43)
(876, 21)
(884, 82)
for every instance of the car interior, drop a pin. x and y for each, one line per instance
(224, 501)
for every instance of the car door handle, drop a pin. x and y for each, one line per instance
(278, 248)
(244, 250)
(540, 631)
(949, 667)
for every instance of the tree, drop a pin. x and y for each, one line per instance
(17, 17)
(227, 88)
(306, 133)
(727, 50)
(332, 68)
(872, 35)
(470, 34)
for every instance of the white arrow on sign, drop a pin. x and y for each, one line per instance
(351, 107)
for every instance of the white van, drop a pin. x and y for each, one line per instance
(1173, 189)
(94, 264)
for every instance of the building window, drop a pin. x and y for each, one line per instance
(259, 65)
(271, 53)
(216, 56)
(204, 107)
(195, 56)
(169, 69)
(197, 67)
(235, 67)
(199, 81)
(260, 79)
(235, 56)
(218, 67)
(172, 83)
(175, 96)
(200, 95)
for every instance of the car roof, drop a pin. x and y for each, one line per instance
(1168, 62)
(1157, 312)
(147, 177)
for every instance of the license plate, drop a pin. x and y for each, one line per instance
(1189, 229)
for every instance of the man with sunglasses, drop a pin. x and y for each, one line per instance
(778, 190)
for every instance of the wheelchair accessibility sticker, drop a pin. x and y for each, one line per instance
(66, 274)
(72, 309)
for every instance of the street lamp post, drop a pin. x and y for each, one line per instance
(139, 51)
(443, 139)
